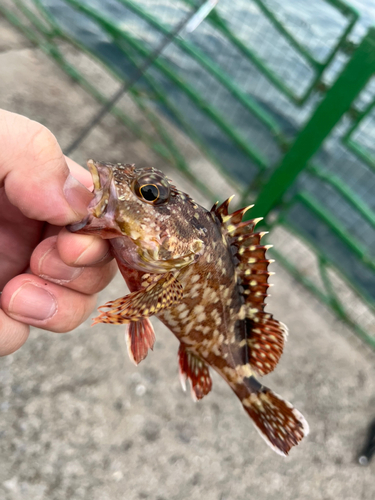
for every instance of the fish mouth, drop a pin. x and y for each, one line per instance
(92, 225)
(102, 177)
(102, 207)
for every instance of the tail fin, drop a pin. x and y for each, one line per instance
(276, 420)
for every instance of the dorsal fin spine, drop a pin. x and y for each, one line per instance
(222, 210)
(264, 335)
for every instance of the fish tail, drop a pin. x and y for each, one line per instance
(276, 420)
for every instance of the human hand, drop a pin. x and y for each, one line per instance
(49, 277)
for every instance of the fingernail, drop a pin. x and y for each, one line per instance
(77, 195)
(53, 268)
(33, 302)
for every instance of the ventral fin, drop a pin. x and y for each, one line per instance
(193, 368)
(140, 337)
(158, 295)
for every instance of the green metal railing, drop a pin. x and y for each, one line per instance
(359, 117)
(317, 66)
(338, 101)
(287, 176)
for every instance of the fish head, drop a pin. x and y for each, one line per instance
(148, 221)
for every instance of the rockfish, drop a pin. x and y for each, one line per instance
(204, 274)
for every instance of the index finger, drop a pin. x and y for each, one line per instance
(35, 173)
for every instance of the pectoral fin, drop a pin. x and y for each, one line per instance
(159, 295)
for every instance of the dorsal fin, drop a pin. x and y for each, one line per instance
(222, 210)
(265, 336)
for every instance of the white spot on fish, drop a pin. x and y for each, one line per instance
(134, 235)
(189, 327)
(181, 307)
(242, 312)
(195, 287)
(172, 322)
(198, 309)
(201, 317)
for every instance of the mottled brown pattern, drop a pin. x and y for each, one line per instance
(205, 275)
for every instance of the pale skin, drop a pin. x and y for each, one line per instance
(49, 277)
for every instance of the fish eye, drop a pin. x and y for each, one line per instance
(149, 192)
(152, 187)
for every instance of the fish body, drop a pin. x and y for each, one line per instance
(204, 274)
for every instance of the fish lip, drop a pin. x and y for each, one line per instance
(77, 226)
(105, 195)
(102, 180)
(100, 173)
(89, 224)
(94, 225)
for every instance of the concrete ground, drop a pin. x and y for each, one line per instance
(79, 421)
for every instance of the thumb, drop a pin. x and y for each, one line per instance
(35, 174)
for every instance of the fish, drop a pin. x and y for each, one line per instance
(204, 274)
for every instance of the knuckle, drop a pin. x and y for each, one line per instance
(43, 147)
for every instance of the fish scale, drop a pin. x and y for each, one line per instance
(204, 274)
